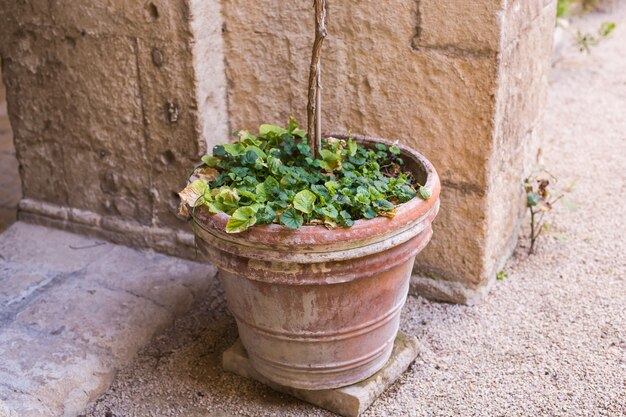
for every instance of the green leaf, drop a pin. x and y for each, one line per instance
(345, 219)
(305, 201)
(288, 181)
(261, 195)
(259, 153)
(329, 211)
(532, 199)
(328, 156)
(265, 215)
(299, 133)
(249, 158)
(215, 207)
(274, 165)
(264, 130)
(227, 199)
(291, 218)
(247, 138)
(394, 150)
(218, 150)
(369, 213)
(234, 149)
(304, 148)
(424, 193)
(210, 161)
(362, 195)
(271, 186)
(293, 125)
(332, 186)
(606, 28)
(241, 219)
(247, 194)
(330, 160)
(384, 205)
(352, 147)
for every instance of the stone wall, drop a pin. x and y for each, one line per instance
(112, 103)
(108, 113)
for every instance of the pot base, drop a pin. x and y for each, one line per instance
(326, 378)
(349, 401)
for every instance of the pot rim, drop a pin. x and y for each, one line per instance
(376, 229)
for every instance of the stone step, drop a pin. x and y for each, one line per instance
(73, 310)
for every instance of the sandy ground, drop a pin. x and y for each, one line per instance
(551, 338)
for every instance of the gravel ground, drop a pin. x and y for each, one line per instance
(549, 340)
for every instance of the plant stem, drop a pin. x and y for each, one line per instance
(533, 237)
(314, 111)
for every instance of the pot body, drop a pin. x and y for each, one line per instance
(318, 308)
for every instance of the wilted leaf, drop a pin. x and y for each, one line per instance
(206, 174)
(192, 193)
(183, 211)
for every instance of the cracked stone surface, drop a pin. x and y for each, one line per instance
(73, 310)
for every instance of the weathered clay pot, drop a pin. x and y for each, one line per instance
(319, 308)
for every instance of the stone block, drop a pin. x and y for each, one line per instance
(348, 401)
(461, 219)
(470, 26)
(519, 15)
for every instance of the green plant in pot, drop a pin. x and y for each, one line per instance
(315, 239)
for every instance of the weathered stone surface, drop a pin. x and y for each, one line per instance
(33, 253)
(348, 401)
(73, 310)
(45, 372)
(522, 93)
(448, 25)
(104, 104)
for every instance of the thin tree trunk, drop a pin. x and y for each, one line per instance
(314, 111)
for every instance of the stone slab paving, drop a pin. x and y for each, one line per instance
(349, 401)
(74, 309)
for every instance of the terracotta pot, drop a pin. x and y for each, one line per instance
(319, 308)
